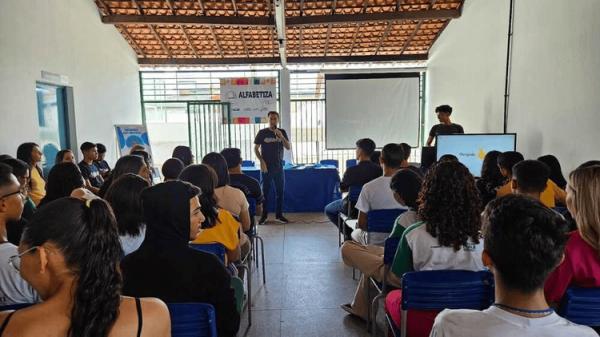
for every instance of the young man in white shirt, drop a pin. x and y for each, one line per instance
(13, 289)
(523, 243)
(377, 194)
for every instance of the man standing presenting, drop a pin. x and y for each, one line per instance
(446, 127)
(268, 147)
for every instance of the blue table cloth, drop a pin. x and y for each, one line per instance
(307, 188)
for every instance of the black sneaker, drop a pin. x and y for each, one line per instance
(263, 220)
(282, 219)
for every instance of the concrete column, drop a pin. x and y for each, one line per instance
(284, 109)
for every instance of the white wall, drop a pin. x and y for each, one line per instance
(555, 86)
(64, 37)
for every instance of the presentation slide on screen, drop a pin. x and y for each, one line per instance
(471, 149)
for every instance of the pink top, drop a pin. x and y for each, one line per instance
(580, 268)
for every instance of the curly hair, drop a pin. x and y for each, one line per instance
(450, 205)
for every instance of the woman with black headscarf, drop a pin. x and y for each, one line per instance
(167, 268)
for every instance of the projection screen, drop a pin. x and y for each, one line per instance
(383, 107)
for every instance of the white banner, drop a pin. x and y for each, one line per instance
(250, 98)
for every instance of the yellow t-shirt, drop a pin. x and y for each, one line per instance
(38, 186)
(549, 197)
(224, 232)
(552, 194)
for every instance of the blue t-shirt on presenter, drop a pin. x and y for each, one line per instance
(271, 147)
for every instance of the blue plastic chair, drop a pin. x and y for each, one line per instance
(192, 320)
(255, 239)
(248, 163)
(382, 220)
(15, 306)
(332, 162)
(445, 289)
(213, 248)
(389, 251)
(582, 306)
(350, 163)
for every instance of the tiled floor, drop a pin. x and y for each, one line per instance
(306, 283)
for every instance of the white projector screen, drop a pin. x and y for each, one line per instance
(383, 107)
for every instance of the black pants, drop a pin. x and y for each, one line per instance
(277, 177)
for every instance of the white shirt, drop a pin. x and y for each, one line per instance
(13, 288)
(376, 195)
(495, 322)
(428, 254)
(131, 243)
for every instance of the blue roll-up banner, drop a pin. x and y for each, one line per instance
(133, 134)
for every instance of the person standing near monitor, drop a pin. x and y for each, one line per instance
(269, 145)
(445, 127)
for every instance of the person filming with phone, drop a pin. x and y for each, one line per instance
(268, 147)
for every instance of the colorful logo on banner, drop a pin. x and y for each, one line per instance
(130, 135)
(250, 98)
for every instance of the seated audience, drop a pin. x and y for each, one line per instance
(237, 179)
(375, 157)
(127, 164)
(406, 149)
(70, 254)
(581, 265)
(516, 229)
(91, 175)
(124, 197)
(14, 228)
(219, 225)
(529, 178)
(64, 156)
(377, 194)
(171, 169)
(551, 195)
(589, 163)
(556, 174)
(63, 179)
(148, 160)
(32, 155)
(369, 258)
(356, 176)
(136, 147)
(446, 236)
(166, 267)
(100, 163)
(230, 198)
(13, 289)
(491, 178)
(448, 157)
(183, 153)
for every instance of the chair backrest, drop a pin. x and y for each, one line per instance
(238, 288)
(15, 306)
(353, 193)
(447, 289)
(332, 162)
(212, 248)
(251, 206)
(389, 250)
(192, 320)
(382, 220)
(350, 163)
(582, 306)
(248, 163)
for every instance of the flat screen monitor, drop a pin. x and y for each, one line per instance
(470, 149)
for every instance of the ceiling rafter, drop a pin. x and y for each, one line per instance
(385, 35)
(201, 3)
(416, 31)
(244, 42)
(235, 9)
(128, 36)
(216, 41)
(276, 60)
(306, 20)
(327, 39)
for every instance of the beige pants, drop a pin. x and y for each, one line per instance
(369, 260)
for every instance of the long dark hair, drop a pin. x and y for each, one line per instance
(450, 205)
(24, 152)
(205, 178)
(126, 164)
(60, 155)
(490, 172)
(62, 180)
(183, 153)
(86, 234)
(556, 174)
(218, 163)
(125, 197)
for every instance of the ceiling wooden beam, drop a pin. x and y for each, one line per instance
(216, 41)
(244, 41)
(414, 33)
(235, 9)
(384, 36)
(327, 39)
(201, 3)
(160, 41)
(276, 60)
(128, 36)
(306, 20)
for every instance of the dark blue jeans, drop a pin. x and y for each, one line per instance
(276, 177)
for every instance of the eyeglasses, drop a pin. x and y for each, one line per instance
(23, 197)
(15, 260)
